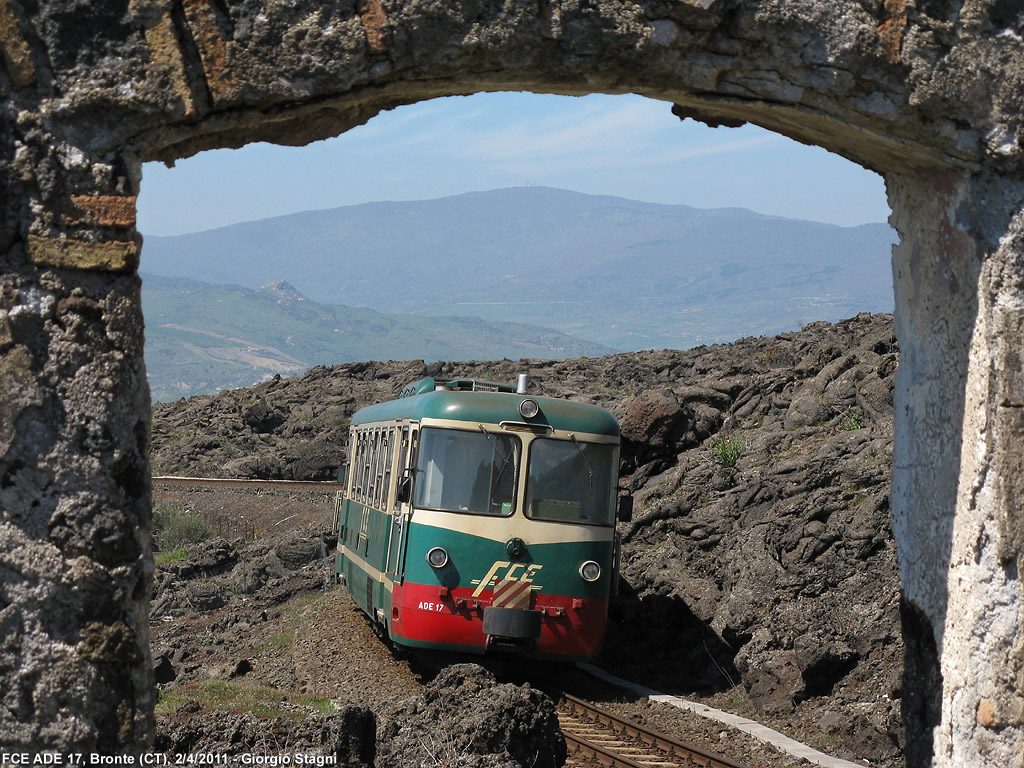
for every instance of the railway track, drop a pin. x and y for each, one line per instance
(597, 737)
(221, 482)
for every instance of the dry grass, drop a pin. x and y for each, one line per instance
(242, 696)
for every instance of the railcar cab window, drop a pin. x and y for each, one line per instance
(570, 481)
(461, 471)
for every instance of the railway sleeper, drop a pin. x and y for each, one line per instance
(628, 744)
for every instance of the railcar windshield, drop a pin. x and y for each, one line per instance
(461, 471)
(570, 481)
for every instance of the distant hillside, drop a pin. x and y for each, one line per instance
(627, 274)
(201, 338)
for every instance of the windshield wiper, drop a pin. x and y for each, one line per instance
(494, 444)
(590, 469)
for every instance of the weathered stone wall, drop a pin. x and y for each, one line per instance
(928, 93)
(958, 393)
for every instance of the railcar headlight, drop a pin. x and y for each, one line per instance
(590, 571)
(437, 557)
(529, 408)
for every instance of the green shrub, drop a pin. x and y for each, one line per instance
(727, 450)
(851, 420)
(174, 527)
(170, 556)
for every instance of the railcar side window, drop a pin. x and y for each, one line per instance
(357, 467)
(379, 457)
(461, 471)
(367, 466)
(570, 481)
(385, 486)
(403, 462)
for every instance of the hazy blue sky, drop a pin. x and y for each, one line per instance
(615, 145)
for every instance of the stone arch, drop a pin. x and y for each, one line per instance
(926, 92)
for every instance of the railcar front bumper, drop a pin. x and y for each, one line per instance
(553, 627)
(512, 629)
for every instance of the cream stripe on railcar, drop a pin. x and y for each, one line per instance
(372, 572)
(501, 529)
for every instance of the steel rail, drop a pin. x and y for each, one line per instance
(299, 485)
(680, 752)
(579, 745)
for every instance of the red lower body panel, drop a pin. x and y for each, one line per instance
(432, 616)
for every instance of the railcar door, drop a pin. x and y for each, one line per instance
(401, 511)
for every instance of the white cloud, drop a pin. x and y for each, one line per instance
(597, 128)
(748, 143)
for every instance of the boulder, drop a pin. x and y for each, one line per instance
(204, 595)
(299, 550)
(465, 716)
(659, 423)
(212, 556)
(807, 408)
(163, 670)
(261, 418)
(253, 574)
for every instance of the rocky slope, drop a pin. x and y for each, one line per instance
(760, 571)
(779, 571)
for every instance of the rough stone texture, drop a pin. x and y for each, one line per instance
(347, 736)
(927, 93)
(657, 425)
(959, 300)
(74, 499)
(465, 717)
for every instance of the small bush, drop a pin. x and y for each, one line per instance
(170, 556)
(727, 450)
(851, 421)
(174, 527)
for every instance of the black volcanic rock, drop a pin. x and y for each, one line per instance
(465, 717)
(347, 736)
(261, 418)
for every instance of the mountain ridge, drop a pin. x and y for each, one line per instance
(599, 267)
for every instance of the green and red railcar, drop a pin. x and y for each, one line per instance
(477, 518)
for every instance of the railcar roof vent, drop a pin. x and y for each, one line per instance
(472, 385)
(417, 387)
(430, 384)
